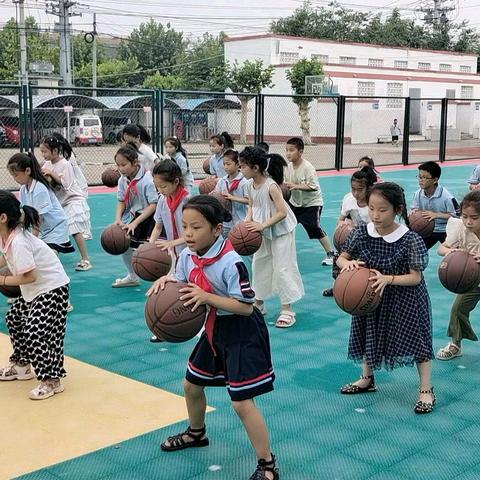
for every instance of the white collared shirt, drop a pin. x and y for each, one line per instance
(397, 234)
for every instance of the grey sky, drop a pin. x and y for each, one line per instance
(119, 17)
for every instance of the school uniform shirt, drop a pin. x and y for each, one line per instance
(162, 215)
(475, 176)
(70, 191)
(239, 210)
(228, 275)
(143, 194)
(441, 201)
(182, 162)
(395, 131)
(350, 208)
(304, 174)
(216, 166)
(54, 226)
(147, 157)
(25, 252)
(460, 237)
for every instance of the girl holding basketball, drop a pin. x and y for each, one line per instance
(137, 201)
(275, 268)
(234, 187)
(218, 145)
(462, 234)
(36, 320)
(399, 332)
(234, 349)
(177, 153)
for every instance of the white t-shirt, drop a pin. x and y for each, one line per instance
(460, 237)
(24, 252)
(147, 157)
(350, 208)
(304, 174)
(70, 191)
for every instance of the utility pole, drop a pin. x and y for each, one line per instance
(22, 34)
(437, 15)
(94, 56)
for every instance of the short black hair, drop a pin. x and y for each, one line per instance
(264, 146)
(297, 142)
(210, 207)
(432, 168)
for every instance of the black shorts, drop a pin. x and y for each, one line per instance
(66, 247)
(309, 217)
(142, 232)
(242, 362)
(394, 138)
(434, 238)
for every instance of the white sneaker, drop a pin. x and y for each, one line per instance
(16, 372)
(47, 389)
(127, 281)
(328, 260)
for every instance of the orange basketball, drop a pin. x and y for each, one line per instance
(169, 319)
(243, 241)
(420, 224)
(8, 291)
(227, 204)
(114, 241)
(206, 166)
(459, 272)
(150, 262)
(341, 234)
(353, 292)
(207, 185)
(110, 177)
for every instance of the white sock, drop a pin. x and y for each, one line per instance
(127, 260)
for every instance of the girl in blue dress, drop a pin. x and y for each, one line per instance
(399, 332)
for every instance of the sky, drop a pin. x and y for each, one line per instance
(194, 17)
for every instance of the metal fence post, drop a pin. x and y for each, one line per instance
(256, 122)
(160, 119)
(340, 133)
(25, 141)
(261, 131)
(406, 132)
(443, 131)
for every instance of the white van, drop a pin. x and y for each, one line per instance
(86, 130)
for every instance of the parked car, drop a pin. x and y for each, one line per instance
(86, 130)
(113, 126)
(10, 137)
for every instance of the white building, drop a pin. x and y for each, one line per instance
(358, 69)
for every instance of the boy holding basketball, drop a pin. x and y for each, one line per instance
(434, 201)
(306, 199)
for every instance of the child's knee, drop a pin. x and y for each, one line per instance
(243, 407)
(192, 390)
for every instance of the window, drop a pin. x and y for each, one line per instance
(288, 57)
(466, 92)
(451, 93)
(394, 89)
(366, 89)
(424, 66)
(401, 64)
(445, 67)
(320, 57)
(465, 68)
(375, 62)
(348, 60)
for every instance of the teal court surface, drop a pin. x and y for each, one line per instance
(128, 391)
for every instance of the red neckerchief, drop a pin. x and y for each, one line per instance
(198, 277)
(234, 185)
(173, 204)
(132, 188)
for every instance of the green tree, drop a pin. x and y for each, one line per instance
(113, 73)
(251, 78)
(297, 75)
(82, 52)
(164, 82)
(155, 47)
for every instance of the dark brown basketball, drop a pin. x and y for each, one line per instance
(227, 204)
(207, 185)
(206, 166)
(169, 319)
(243, 241)
(114, 241)
(150, 262)
(10, 292)
(341, 234)
(420, 224)
(110, 177)
(353, 292)
(285, 192)
(459, 272)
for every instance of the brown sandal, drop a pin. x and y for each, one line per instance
(176, 442)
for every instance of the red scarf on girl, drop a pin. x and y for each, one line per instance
(198, 277)
(173, 204)
(132, 188)
(234, 185)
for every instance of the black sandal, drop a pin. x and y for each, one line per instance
(328, 292)
(425, 407)
(351, 389)
(176, 442)
(262, 467)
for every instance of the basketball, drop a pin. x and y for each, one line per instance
(341, 234)
(353, 292)
(207, 185)
(114, 241)
(285, 192)
(459, 272)
(420, 224)
(150, 262)
(227, 204)
(169, 319)
(110, 177)
(10, 292)
(206, 166)
(243, 241)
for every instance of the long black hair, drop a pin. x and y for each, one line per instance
(367, 175)
(10, 206)
(394, 195)
(210, 208)
(169, 171)
(21, 161)
(272, 163)
(130, 152)
(224, 139)
(137, 131)
(65, 147)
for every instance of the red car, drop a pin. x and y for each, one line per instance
(9, 132)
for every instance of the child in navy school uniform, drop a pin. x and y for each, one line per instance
(234, 187)
(177, 153)
(218, 145)
(234, 349)
(137, 201)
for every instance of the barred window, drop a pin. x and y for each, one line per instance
(466, 92)
(375, 62)
(394, 89)
(445, 67)
(424, 66)
(465, 68)
(400, 64)
(366, 89)
(348, 60)
(321, 58)
(289, 57)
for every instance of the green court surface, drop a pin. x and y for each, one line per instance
(316, 432)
